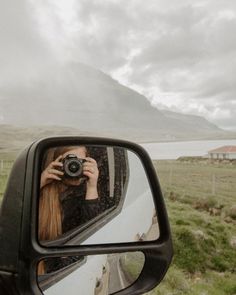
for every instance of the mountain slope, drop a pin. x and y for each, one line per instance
(192, 120)
(87, 99)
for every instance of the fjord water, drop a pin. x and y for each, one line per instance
(174, 150)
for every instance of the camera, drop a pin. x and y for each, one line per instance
(73, 166)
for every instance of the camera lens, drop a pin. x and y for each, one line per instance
(73, 167)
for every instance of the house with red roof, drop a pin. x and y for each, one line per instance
(224, 152)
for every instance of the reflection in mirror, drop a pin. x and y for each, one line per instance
(92, 195)
(90, 275)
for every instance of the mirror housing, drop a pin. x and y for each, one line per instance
(20, 250)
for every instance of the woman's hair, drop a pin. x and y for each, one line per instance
(50, 211)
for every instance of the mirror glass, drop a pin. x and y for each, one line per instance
(90, 275)
(94, 195)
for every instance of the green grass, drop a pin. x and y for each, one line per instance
(178, 282)
(200, 199)
(204, 262)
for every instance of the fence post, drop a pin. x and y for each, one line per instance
(170, 175)
(213, 189)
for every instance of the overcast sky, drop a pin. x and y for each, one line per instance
(180, 54)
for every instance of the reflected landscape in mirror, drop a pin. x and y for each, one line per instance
(94, 195)
(92, 275)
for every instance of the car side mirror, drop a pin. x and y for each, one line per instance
(75, 200)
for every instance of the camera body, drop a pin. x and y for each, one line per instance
(73, 166)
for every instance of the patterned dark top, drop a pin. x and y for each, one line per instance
(75, 209)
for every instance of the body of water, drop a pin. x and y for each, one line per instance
(174, 150)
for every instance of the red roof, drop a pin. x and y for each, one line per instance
(224, 149)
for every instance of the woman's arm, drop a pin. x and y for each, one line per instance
(90, 170)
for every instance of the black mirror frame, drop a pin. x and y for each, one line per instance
(158, 253)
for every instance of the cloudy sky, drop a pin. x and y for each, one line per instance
(180, 54)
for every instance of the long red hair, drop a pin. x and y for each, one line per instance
(50, 211)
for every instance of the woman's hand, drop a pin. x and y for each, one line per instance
(90, 169)
(51, 173)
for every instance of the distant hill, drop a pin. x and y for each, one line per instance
(15, 138)
(85, 99)
(192, 121)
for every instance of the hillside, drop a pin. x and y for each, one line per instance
(88, 100)
(194, 121)
(15, 138)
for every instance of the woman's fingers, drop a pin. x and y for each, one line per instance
(89, 166)
(90, 160)
(90, 169)
(55, 164)
(53, 177)
(58, 158)
(91, 175)
(88, 174)
(54, 171)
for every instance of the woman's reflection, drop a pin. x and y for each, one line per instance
(68, 191)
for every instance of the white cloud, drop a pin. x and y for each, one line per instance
(180, 54)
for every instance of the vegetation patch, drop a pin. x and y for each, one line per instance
(204, 239)
(200, 199)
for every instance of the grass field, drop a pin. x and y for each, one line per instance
(201, 204)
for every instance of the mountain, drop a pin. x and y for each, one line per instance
(15, 138)
(80, 97)
(192, 121)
